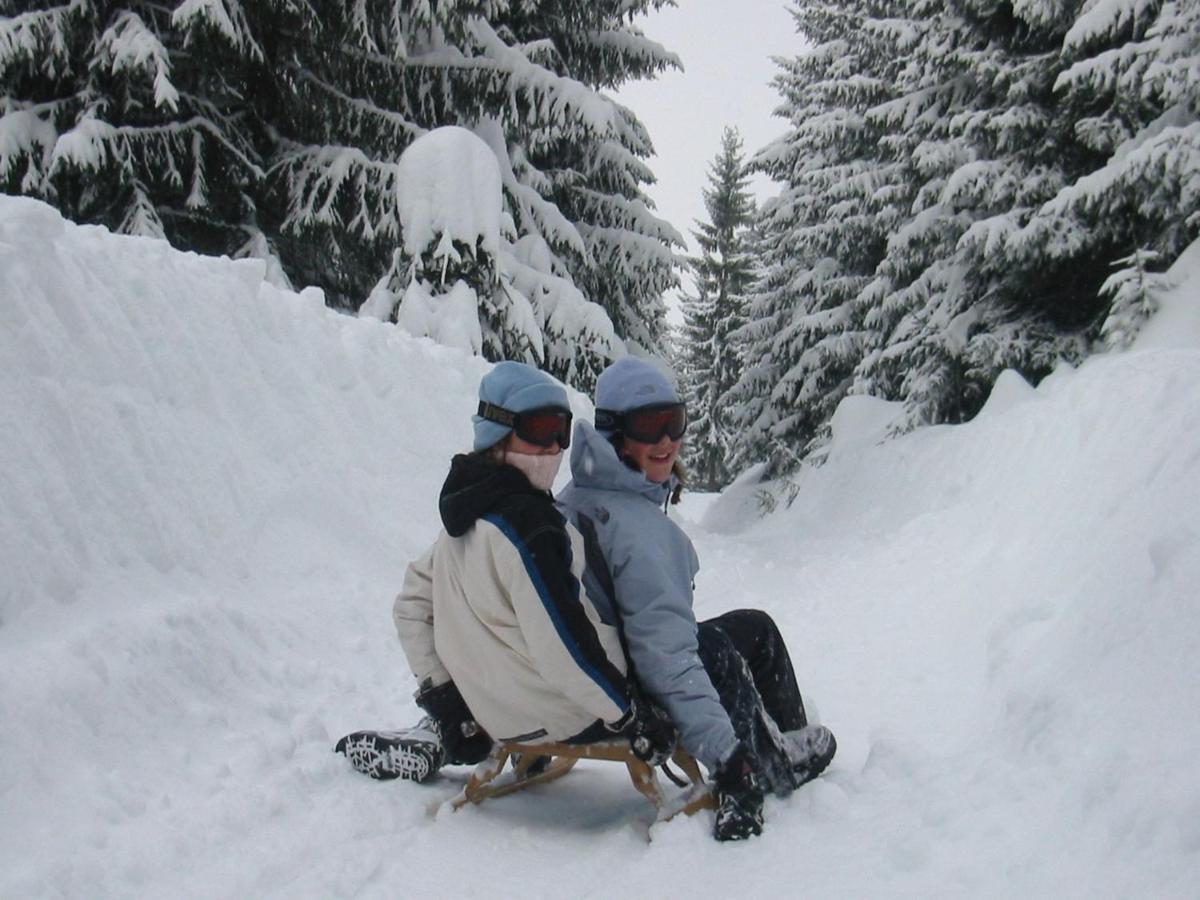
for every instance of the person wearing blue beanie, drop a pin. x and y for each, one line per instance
(639, 411)
(500, 635)
(631, 383)
(727, 683)
(516, 388)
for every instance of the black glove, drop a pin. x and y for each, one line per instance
(739, 797)
(465, 743)
(651, 733)
(653, 739)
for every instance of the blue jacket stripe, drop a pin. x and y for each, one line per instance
(555, 614)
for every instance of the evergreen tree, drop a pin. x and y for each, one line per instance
(1000, 159)
(275, 128)
(824, 234)
(1129, 84)
(976, 113)
(104, 115)
(711, 363)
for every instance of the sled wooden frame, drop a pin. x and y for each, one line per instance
(485, 781)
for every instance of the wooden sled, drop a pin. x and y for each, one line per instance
(488, 781)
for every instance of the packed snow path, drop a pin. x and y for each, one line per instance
(210, 489)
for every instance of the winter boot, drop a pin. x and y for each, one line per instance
(414, 754)
(810, 749)
(739, 798)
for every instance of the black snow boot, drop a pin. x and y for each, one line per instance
(739, 797)
(414, 754)
(810, 749)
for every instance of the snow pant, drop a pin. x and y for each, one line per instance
(748, 663)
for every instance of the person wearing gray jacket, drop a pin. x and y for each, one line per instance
(726, 683)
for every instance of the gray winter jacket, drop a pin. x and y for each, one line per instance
(650, 565)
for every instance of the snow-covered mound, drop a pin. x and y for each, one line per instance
(1018, 597)
(170, 414)
(210, 488)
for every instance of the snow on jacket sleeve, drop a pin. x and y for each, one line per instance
(413, 614)
(651, 563)
(558, 630)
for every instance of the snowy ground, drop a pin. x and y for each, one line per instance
(210, 489)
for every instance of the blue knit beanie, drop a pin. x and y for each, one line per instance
(518, 388)
(632, 382)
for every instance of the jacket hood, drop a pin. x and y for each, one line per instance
(595, 464)
(475, 486)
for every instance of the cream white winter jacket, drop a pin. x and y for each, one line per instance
(496, 605)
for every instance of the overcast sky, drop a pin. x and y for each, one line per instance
(726, 48)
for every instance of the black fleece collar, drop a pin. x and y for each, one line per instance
(475, 486)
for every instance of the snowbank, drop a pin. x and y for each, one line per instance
(174, 414)
(211, 487)
(1019, 597)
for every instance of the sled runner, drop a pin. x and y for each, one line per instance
(540, 763)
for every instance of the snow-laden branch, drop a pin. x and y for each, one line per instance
(1166, 157)
(610, 156)
(1100, 75)
(225, 17)
(616, 211)
(626, 251)
(26, 136)
(317, 175)
(403, 129)
(532, 207)
(90, 143)
(1103, 20)
(141, 217)
(37, 38)
(128, 45)
(609, 58)
(569, 319)
(360, 25)
(633, 45)
(556, 98)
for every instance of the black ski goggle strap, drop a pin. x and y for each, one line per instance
(541, 427)
(646, 424)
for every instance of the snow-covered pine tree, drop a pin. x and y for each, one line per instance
(1028, 215)
(277, 126)
(105, 116)
(1019, 151)
(368, 78)
(711, 362)
(823, 234)
(1053, 88)
(449, 271)
(1129, 84)
(975, 116)
(596, 174)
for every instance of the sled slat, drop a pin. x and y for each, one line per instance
(489, 779)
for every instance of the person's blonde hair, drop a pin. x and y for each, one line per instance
(680, 473)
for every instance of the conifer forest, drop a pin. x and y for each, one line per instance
(961, 186)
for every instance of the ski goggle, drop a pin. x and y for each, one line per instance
(646, 424)
(543, 426)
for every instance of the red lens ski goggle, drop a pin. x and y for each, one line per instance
(542, 427)
(646, 424)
